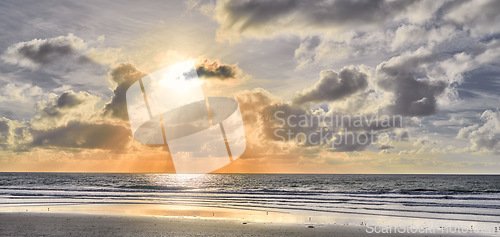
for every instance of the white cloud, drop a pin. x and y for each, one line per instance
(13, 135)
(485, 136)
(479, 16)
(19, 93)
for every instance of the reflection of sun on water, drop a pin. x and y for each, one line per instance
(179, 181)
(190, 180)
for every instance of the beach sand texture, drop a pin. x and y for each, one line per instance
(63, 224)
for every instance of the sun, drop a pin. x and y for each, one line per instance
(181, 77)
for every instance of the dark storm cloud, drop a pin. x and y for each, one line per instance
(124, 75)
(334, 86)
(216, 70)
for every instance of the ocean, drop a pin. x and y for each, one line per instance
(472, 198)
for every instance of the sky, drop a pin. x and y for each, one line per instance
(415, 84)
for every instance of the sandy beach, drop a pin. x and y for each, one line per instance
(64, 224)
(240, 205)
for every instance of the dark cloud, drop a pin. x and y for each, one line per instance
(45, 52)
(241, 16)
(413, 97)
(216, 70)
(292, 115)
(69, 99)
(417, 79)
(414, 93)
(385, 147)
(333, 132)
(57, 64)
(83, 135)
(69, 106)
(69, 120)
(39, 52)
(124, 75)
(352, 141)
(334, 86)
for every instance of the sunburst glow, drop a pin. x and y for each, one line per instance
(179, 77)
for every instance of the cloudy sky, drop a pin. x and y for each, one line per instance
(428, 69)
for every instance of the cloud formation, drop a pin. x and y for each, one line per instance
(252, 104)
(124, 75)
(274, 126)
(341, 30)
(417, 54)
(38, 52)
(268, 18)
(216, 70)
(68, 120)
(414, 92)
(84, 135)
(60, 110)
(485, 136)
(334, 86)
(13, 135)
(73, 120)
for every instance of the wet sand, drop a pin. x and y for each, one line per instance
(78, 224)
